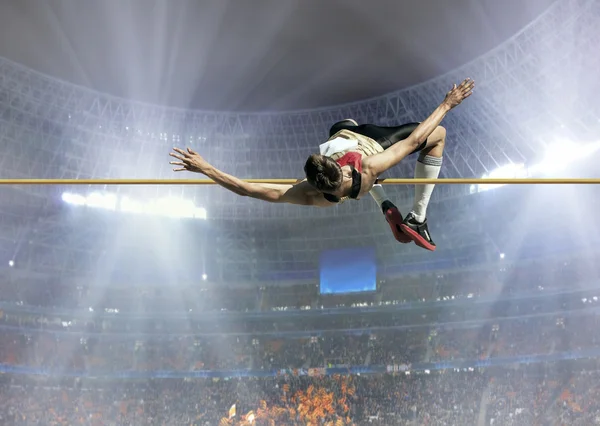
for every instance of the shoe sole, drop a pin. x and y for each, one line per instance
(394, 219)
(414, 236)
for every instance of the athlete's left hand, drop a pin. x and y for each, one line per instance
(188, 160)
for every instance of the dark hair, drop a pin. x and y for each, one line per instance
(323, 173)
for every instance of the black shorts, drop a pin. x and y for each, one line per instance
(384, 136)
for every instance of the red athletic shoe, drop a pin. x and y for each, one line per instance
(394, 219)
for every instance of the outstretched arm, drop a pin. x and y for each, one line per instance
(377, 164)
(301, 193)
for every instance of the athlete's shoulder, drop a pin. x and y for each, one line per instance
(367, 168)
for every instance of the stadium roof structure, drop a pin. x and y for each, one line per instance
(258, 55)
(538, 88)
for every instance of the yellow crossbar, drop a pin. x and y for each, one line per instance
(389, 181)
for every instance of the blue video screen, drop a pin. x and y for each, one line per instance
(348, 271)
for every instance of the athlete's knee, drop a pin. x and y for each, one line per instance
(436, 140)
(439, 135)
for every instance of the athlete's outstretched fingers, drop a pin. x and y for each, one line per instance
(467, 88)
(466, 83)
(181, 151)
(179, 157)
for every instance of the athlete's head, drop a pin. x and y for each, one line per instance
(323, 173)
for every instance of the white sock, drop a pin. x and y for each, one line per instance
(428, 167)
(378, 194)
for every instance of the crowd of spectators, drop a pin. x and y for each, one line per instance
(561, 394)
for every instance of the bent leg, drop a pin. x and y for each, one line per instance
(428, 166)
(414, 226)
(388, 136)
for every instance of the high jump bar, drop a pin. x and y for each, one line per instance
(389, 181)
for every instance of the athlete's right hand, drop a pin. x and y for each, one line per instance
(459, 93)
(188, 160)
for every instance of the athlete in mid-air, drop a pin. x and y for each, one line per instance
(349, 165)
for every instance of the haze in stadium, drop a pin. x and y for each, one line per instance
(190, 305)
